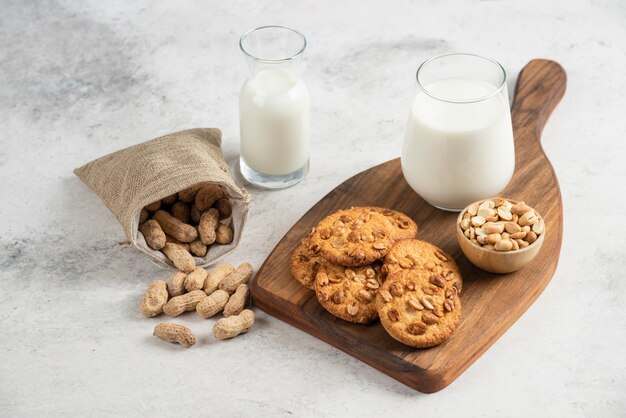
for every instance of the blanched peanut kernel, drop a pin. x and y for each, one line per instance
(500, 225)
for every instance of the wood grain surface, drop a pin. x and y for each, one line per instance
(491, 302)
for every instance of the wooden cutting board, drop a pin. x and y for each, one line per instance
(491, 303)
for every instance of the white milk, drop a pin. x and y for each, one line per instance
(455, 154)
(274, 122)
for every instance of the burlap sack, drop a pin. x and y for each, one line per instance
(129, 179)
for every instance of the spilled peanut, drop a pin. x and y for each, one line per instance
(154, 299)
(237, 301)
(222, 289)
(233, 325)
(175, 333)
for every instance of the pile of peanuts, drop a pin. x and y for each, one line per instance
(223, 289)
(500, 225)
(187, 223)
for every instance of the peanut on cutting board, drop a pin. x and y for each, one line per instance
(192, 220)
(500, 225)
(222, 289)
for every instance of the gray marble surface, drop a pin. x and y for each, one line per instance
(81, 79)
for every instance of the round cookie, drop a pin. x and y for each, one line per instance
(349, 293)
(403, 226)
(419, 308)
(420, 255)
(305, 264)
(352, 237)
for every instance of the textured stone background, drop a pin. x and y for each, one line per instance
(81, 79)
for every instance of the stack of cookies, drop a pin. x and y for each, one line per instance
(364, 263)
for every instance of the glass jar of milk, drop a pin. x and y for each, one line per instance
(458, 146)
(274, 109)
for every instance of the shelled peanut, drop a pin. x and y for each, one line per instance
(186, 224)
(222, 289)
(500, 225)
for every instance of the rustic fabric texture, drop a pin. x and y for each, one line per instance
(129, 179)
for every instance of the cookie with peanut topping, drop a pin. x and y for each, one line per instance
(419, 307)
(403, 226)
(349, 293)
(352, 237)
(413, 254)
(305, 264)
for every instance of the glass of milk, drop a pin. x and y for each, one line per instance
(274, 108)
(458, 146)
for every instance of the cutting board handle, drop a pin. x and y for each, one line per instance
(540, 87)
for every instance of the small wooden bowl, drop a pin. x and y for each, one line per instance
(497, 261)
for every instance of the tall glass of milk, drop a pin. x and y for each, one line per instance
(274, 109)
(458, 146)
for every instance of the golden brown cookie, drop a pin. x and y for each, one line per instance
(403, 226)
(305, 264)
(352, 237)
(349, 293)
(420, 255)
(419, 308)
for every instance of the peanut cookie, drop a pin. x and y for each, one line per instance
(305, 264)
(403, 226)
(352, 237)
(421, 255)
(348, 293)
(419, 308)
